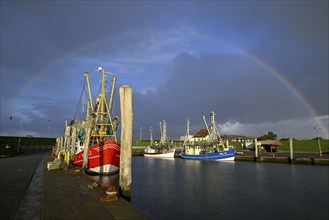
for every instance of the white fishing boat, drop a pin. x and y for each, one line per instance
(162, 150)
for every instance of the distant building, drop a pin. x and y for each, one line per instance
(201, 135)
(270, 145)
(182, 138)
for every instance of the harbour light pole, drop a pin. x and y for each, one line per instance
(11, 118)
(318, 136)
(48, 127)
(20, 135)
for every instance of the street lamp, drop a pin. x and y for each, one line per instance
(11, 118)
(317, 134)
(48, 127)
(20, 135)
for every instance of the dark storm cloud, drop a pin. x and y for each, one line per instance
(170, 53)
(230, 85)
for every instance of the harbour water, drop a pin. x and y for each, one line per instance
(186, 189)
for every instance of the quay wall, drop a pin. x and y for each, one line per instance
(266, 159)
(311, 161)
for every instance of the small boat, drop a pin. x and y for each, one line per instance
(104, 150)
(163, 150)
(212, 149)
(153, 151)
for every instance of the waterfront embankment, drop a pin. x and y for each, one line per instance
(277, 157)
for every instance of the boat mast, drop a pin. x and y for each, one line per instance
(187, 131)
(89, 91)
(214, 130)
(213, 126)
(163, 130)
(112, 91)
(210, 136)
(103, 128)
(151, 135)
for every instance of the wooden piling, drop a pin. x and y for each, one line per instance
(127, 124)
(291, 150)
(73, 139)
(256, 149)
(89, 125)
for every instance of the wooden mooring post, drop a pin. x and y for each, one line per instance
(256, 150)
(73, 140)
(291, 150)
(89, 125)
(127, 124)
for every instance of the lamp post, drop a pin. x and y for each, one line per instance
(318, 136)
(11, 118)
(48, 127)
(20, 135)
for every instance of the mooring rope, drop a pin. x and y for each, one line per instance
(83, 89)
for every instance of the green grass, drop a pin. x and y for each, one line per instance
(308, 146)
(9, 152)
(13, 141)
(305, 146)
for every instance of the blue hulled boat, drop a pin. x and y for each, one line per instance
(212, 149)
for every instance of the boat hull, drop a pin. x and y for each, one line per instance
(217, 156)
(102, 159)
(168, 154)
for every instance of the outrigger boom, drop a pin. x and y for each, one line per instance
(104, 127)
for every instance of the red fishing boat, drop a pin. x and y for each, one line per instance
(104, 150)
(102, 158)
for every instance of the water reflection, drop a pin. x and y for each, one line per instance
(213, 190)
(106, 180)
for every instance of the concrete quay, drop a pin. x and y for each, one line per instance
(60, 194)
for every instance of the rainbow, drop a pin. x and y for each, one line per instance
(278, 75)
(294, 91)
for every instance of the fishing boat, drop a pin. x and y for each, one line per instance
(211, 149)
(104, 151)
(162, 150)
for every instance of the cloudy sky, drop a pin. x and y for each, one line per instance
(260, 65)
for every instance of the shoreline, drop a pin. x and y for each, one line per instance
(278, 157)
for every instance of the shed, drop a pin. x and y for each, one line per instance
(270, 145)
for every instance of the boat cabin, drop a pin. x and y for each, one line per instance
(195, 150)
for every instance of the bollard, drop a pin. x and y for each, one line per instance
(127, 122)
